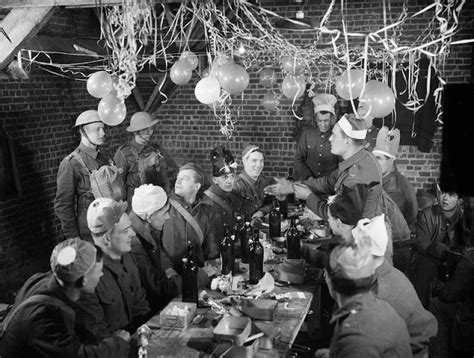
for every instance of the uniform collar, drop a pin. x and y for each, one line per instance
(89, 151)
(357, 157)
(383, 269)
(358, 302)
(116, 266)
(139, 147)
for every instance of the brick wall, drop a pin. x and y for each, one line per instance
(39, 112)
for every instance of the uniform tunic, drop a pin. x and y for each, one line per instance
(313, 157)
(73, 194)
(224, 208)
(250, 194)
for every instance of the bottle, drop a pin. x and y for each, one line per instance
(255, 258)
(189, 277)
(275, 220)
(290, 197)
(227, 251)
(245, 235)
(293, 240)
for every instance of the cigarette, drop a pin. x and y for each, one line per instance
(255, 336)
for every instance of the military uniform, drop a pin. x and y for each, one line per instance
(368, 327)
(313, 157)
(251, 195)
(118, 302)
(126, 159)
(73, 193)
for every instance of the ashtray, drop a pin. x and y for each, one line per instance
(261, 309)
(234, 329)
(177, 314)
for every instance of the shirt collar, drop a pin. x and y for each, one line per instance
(137, 145)
(352, 160)
(358, 302)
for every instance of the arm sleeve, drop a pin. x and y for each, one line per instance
(423, 231)
(323, 185)
(90, 316)
(210, 245)
(141, 308)
(355, 346)
(459, 285)
(302, 171)
(121, 163)
(317, 206)
(64, 202)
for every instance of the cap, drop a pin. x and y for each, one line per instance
(387, 142)
(324, 102)
(86, 117)
(222, 161)
(141, 120)
(249, 150)
(72, 258)
(352, 261)
(349, 205)
(354, 127)
(376, 231)
(104, 213)
(147, 199)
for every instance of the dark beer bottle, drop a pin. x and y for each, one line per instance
(275, 220)
(244, 241)
(227, 251)
(255, 257)
(293, 240)
(190, 277)
(290, 197)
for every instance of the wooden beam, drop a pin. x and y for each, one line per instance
(138, 97)
(20, 25)
(154, 94)
(11, 4)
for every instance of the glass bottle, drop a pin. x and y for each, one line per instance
(245, 235)
(227, 251)
(293, 240)
(290, 197)
(255, 258)
(275, 220)
(189, 277)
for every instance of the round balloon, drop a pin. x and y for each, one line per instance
(292, 65)
(206, 72)
(207, 90)
(350, 89)
(267, 77)
(180, 72)
(99, 84)
(233, 78)
(377, 100)
(191, 58)
(293, 86)
(111, 110)
(270, 101)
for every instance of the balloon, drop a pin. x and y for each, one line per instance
(111, 110)
(206, 72)
(293, 86)
(233, 78)
(356, 84)
(99, 84)
(377, 100)
(270, 101)
(292, 65)
(180, 72)
(267, 77)
(191, 58)
(207, 90)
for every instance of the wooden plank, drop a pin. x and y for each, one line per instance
(69, 3)
(20, 25)
(138, 97)
(154, 94)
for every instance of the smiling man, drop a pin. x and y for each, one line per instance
(119, 301)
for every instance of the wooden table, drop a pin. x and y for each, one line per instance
(197, 340)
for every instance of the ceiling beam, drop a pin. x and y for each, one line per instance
(11, 4)
(18, 26)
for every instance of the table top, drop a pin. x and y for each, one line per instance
(198, 339)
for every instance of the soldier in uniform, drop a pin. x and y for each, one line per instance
(73, 194)
(142, 161)
(313, 157)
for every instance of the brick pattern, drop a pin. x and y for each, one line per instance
(39, 112)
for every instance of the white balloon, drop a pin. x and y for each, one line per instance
(207, 90)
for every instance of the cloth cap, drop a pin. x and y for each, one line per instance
(324, 102)
(72, 258)
(147, 199)
(354, 127)
(352, 261)
(222, 161)
(86, 117)
(349, 205)
(387, 142)
(376, 231)
(103, 214)
(249, 150)
(141, 120)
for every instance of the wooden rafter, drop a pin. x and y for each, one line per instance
(11, 4)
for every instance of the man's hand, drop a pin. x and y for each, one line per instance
(302, 191)
(321, 353)
(123, 334)
(282, 187)
(257, 219)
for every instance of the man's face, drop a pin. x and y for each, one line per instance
(323, 121)
(225, 182)
(92, 277)
(253, 164)
(338, 140)
(386, 163)
(158, 218)
(95, 132)
(121, 236)
(333, 224)
(449, 201)
(146, 134)
(186, 183)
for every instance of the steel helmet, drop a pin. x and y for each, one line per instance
(141, 120)
(86, 117)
